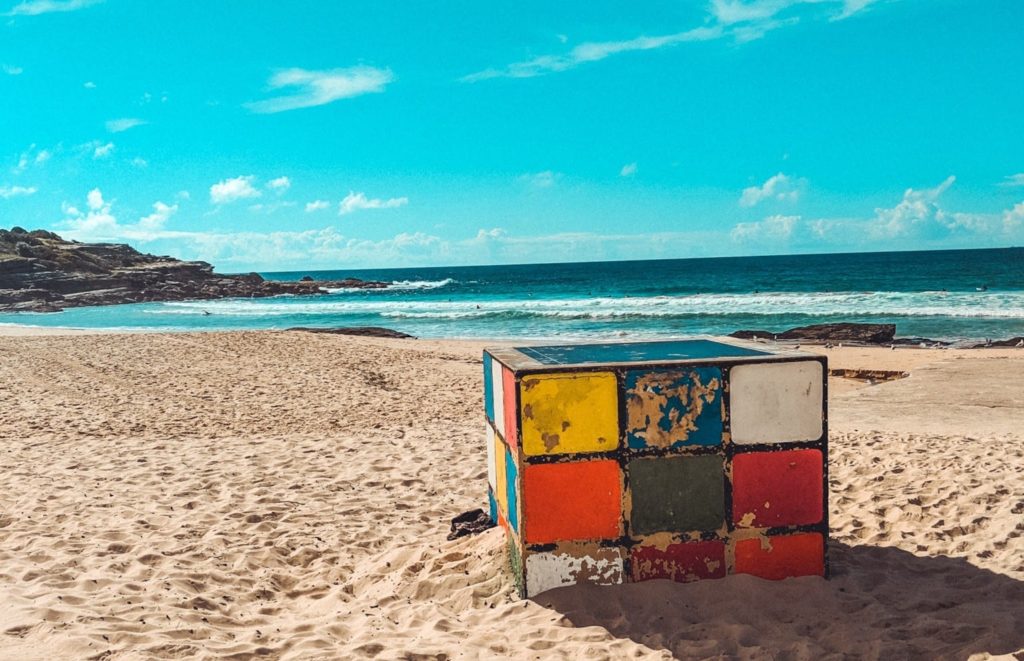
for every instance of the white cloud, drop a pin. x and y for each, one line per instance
(1013, 219)
(125, 123)
(7, 192)
(140, 162)
(12, 70)
(628, 170)
(917, 220)
(279, 185)
(161, 214)
(1014, 180)
(230, 190)
(37, 7)
(43, 156)
(493, 233)
(592, 52)
(98, 223)
(315, 88)
(357, 201)
(101, 151)
(545, 179)
(89, 85)
(317, 205)
(773, 229)
(918, 214)
(94, 200)
(778, 187)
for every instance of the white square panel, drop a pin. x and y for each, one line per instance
(776, 402)
(598, 566)
(498, 392)
(492, 470)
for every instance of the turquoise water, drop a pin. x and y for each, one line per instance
(952, 295)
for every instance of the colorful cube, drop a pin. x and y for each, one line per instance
(681, 460)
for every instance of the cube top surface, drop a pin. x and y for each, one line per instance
(660, 352)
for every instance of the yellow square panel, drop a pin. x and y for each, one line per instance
(569, 412)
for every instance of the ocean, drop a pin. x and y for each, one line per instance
(946, 295)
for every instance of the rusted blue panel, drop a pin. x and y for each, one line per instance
(674, 408)
(488, 387)
(635, 352)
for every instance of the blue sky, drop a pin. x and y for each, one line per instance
(269, 135)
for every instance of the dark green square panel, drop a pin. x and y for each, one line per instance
(677, 494)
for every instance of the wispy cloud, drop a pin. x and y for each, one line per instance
(358, 201)
(742, 20)
(544, 179)
(7, 192)
(102, 150)
(11, 70)
(317, 205)
(628, 170)
(1013, 180)
(779, 187)
(123, 124)
(230, 190)
(31, 156)
(591, 52)
(89, 85)
(728, 12)
(315, 88)
(37, 7)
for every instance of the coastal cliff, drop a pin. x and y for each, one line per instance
(41, 272)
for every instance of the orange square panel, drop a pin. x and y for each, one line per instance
(569, 501)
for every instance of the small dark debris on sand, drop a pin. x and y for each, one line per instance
(470, 523)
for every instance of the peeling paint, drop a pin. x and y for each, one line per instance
(689, 482)
(781, 556)
(569, 413)
(667, 408)
(573, 564)
(683, 562)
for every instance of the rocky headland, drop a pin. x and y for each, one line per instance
(41, 272)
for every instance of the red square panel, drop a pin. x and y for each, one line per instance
(781, 556)
(683, 562)
(572, 501)
(777, 488)
(508, 387)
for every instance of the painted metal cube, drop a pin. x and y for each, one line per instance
(683, 460)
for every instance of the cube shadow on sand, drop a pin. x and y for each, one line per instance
(682, 460)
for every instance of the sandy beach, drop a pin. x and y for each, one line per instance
(287, 495)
